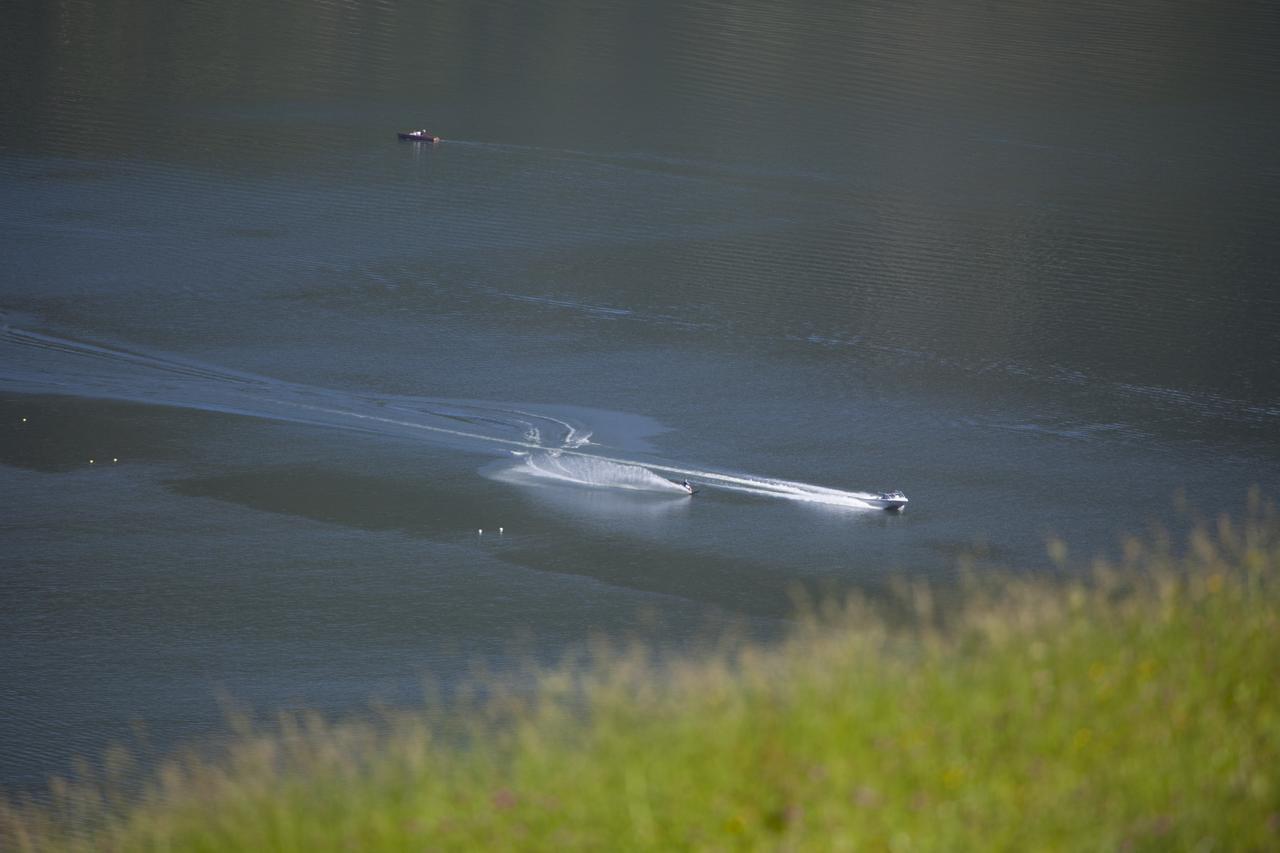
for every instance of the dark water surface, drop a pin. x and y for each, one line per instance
(266, 371)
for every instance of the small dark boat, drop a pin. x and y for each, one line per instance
(418, 136)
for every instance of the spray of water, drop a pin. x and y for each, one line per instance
(594, 471)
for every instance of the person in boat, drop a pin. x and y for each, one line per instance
(686, 486)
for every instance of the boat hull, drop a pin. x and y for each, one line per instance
(891, 502)
(418, 137)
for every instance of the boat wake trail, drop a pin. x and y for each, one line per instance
(39, 363)
(582, 469)
(593, 469)
(549, 444)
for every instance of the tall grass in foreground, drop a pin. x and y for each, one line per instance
(1138, 710)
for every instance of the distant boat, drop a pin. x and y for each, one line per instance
(418, 136)
(888, 500)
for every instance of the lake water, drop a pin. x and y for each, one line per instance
(266, 371)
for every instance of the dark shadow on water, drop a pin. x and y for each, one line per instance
(638, 541)
(448, 513)
(342, 497)
(60, 434)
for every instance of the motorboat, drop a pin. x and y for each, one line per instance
(888, 500)
(687, 486)
(418, 136)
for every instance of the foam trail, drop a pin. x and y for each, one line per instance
(40, 363)
(759, 486)
(595, 471)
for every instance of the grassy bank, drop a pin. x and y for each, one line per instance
(1140, 710)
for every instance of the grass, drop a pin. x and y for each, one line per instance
(1138, 710)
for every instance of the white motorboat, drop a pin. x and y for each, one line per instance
(888, 500)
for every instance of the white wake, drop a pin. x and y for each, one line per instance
(551, 447)
(594, 471)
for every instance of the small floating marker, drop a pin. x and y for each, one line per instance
(24, 420)
(114, 459)
(480, 531)
(90, 461)
(499, 529)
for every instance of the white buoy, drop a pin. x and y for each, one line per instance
(115, 459)
(90, 461)
(480, 531)
(499, 529)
